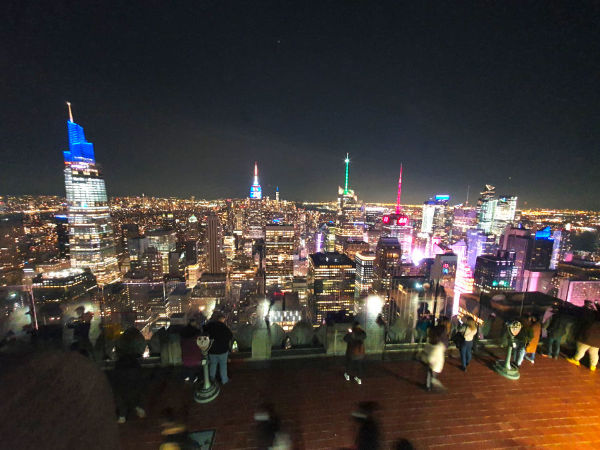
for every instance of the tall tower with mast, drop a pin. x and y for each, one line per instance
(255, 189)
(91, 237)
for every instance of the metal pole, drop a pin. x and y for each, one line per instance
(205, 372)
(507, 365)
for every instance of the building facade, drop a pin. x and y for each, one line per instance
(331, 277)
(279, 256)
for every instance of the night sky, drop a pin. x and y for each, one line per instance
(181, 99)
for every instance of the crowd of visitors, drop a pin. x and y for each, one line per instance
(538, 334)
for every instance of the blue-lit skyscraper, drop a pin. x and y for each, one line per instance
(91, 239)
(255, 189)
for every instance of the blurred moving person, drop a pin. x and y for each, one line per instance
(367, 437)
(434, 356)
(355, 352)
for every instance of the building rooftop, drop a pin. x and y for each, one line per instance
(331, 259)
(554, 403)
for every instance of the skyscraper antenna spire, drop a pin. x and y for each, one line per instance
(70, 113)
(347, 161)
(398, 207)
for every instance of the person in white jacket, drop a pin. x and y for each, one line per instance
(468, 330)
(435, 355)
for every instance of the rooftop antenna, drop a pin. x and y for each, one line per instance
(347, 161)
(255, 172)
(70, 113)
(468, 189)
(398, 207)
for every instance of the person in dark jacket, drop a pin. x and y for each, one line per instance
(355, 352)
(191, 356)
(589, 337)
(81, 331)
(218, 353)
(128, 374)
(523, 339)
(556, 330)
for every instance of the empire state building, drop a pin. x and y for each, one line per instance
(91, 239)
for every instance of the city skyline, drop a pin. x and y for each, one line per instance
(256, 190)
(381, 83)
(254, 198)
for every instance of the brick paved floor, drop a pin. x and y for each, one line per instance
(553, 404)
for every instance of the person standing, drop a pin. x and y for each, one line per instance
(469, 330)
(536, 331)
(222, 338)
(355, 352)
(434, 358)
(556, 330)
(127, 376)
(589, 337)
(81, 331)
(191, 355)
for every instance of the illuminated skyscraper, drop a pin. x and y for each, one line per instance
(91, 239)
(434, 214)
(388, 258)
(365, 262)
(398, 225)
(213, 242)
(255, 189)
(279, 256)
(331, 278)
(494, 272)
(495, 213)
(350, 213)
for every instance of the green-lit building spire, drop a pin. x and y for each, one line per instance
(347, 161)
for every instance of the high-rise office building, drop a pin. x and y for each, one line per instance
(542, 251)
(279, 256)
(365, 265)
(495, 213)
(479, 243)
(533, 252)
(519, 241)
(152, 264)
(331, 277)
(62, 235)
(494, 272)
(388, 258)
(434, 214)
(91, 238)
(213, 243)
(559, 248)
(463, 220)
(165, 241)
